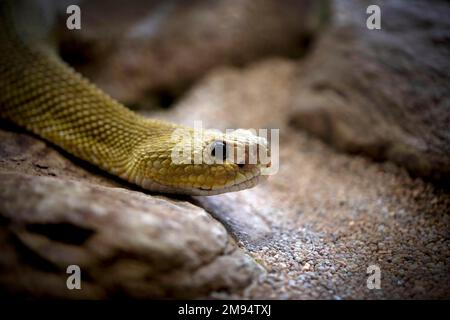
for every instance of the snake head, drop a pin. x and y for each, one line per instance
(209, 163)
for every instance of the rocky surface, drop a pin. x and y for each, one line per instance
(310, 231)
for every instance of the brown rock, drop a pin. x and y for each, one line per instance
(383, 92)
(22, 153)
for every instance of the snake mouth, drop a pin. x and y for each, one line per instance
(257, 177)
(247, 184)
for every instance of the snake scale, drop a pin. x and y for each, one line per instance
(40, 92)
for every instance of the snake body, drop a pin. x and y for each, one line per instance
(40, 92)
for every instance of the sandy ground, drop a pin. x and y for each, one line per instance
(351, 214)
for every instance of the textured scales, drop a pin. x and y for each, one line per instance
(40, 92)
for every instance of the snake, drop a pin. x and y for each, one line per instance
(46, 96)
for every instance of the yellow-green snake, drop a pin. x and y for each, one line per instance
(42, 93)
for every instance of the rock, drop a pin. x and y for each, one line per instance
(125, 242)
(163, 46)
(384, 93)
(306, 267)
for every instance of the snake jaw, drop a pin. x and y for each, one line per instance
(243, 181)
(250, 183)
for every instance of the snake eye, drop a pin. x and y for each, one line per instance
(219, 149)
